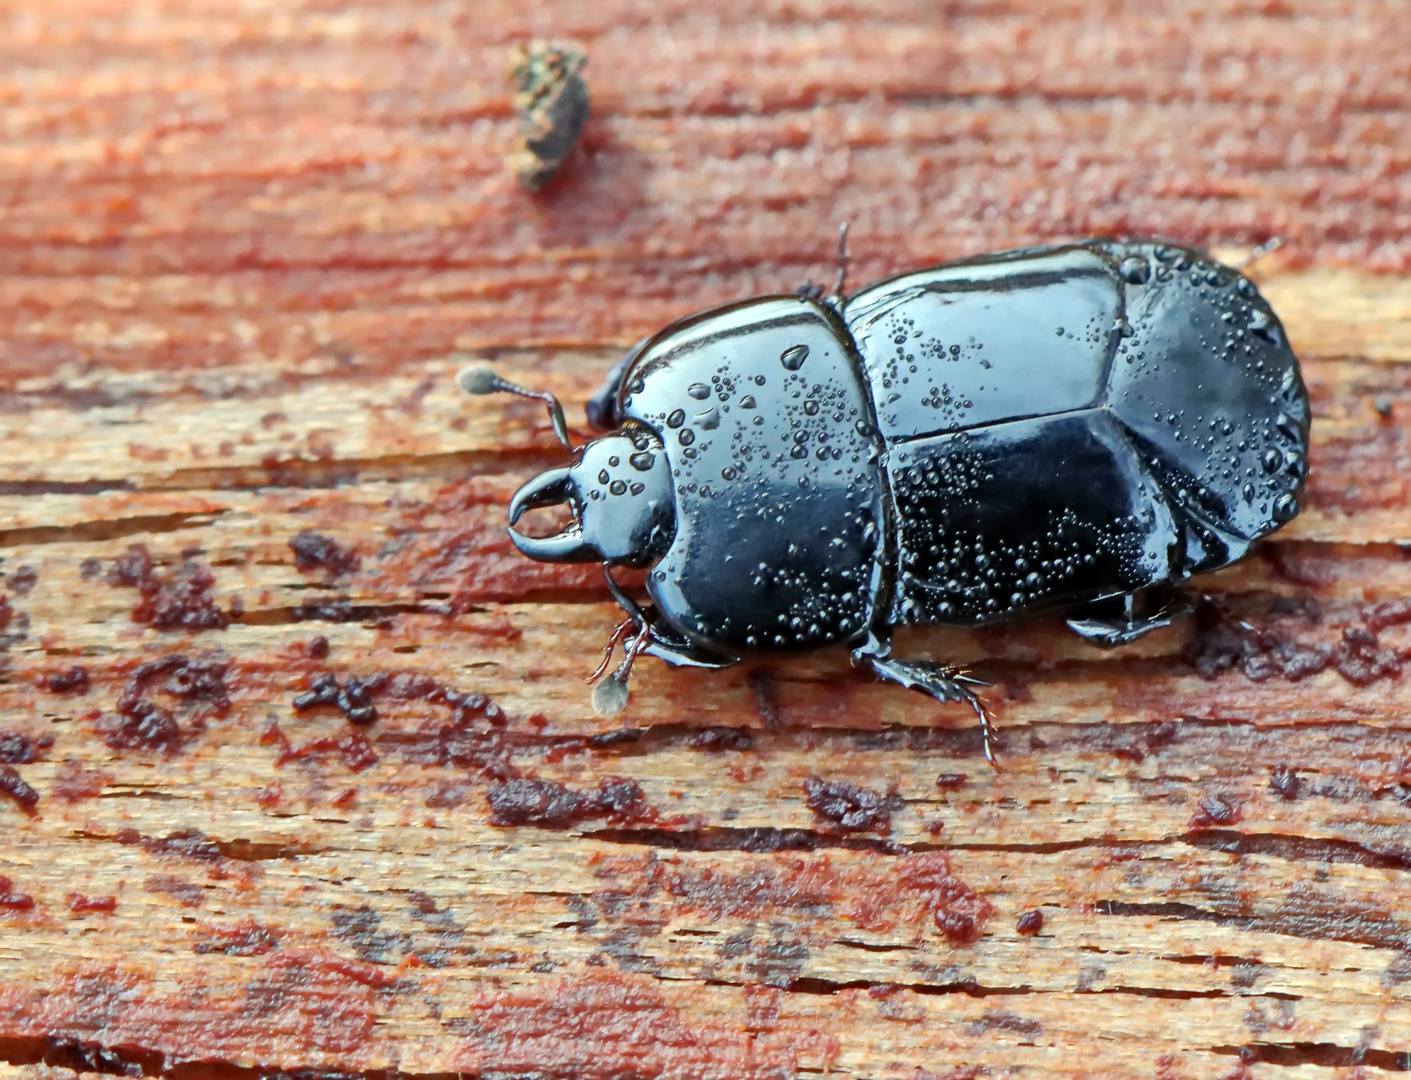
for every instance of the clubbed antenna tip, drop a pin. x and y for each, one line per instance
(478, 380)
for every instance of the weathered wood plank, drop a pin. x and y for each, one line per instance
(238, 246)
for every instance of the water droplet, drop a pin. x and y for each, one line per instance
(709, 420)
(810, 407)
(794, 356)
(618, 487)
(1135, 270)
(687, 437)
(799, 450)
(603, 476)
(727, 473)
(1272, 460)
(747, 402)
(676, 419)
(1285, 508)
(643, 461)
(699, 391)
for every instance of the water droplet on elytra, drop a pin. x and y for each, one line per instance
(794, 356)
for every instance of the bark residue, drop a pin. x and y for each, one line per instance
(1291, 642)
(80, 904)
(15, 787)
(315, 551)
(141, 724)
(875, 892)
(176, 599)
(183, 892)
(74, 680)
(245, 938)
(554, 806)
(850, 808)
(11, 899)
(607, 1026)
(76, 781)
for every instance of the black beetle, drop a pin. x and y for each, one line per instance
(1064, 429)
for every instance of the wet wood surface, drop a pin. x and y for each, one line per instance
(242, 249)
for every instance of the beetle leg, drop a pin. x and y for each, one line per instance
(812, 291)
(610, 695)
(664, 645)
(1103, 625)
(841, 279)
(942, 682)
(617, 636)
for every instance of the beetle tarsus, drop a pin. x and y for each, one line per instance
(942, 682)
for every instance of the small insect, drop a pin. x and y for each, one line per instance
(1064, 430)
(552, 100)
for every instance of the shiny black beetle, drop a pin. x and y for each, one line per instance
(1063, 429)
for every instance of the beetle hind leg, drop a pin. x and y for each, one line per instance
(1122, 619)
(943, 682)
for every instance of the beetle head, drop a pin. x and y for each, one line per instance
(620, 493)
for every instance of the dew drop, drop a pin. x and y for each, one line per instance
(1135, 270)
(794, 356)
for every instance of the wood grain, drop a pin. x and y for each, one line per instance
(239, 246)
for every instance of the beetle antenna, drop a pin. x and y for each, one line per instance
(481, 380)
(842, 278)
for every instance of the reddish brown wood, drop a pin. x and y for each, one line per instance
(238, 244)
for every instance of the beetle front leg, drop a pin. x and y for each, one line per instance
(944, 682)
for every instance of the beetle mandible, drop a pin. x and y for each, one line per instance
(1070, 429)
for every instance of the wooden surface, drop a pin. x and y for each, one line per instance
(238, 244)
